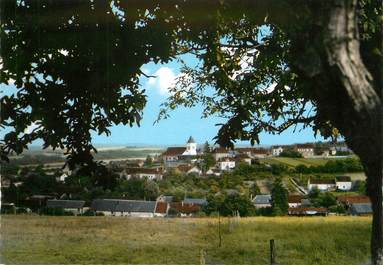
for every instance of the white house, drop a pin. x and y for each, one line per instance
(241, 157)
(343, 183)
(276, 150)
(226, 163)
(321, 184)
(307, 150)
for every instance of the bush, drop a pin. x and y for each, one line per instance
(291, 153)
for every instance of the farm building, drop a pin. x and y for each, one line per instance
(141, 173)
(306, 150)
(73, 206)
(161, 209)
(135, 208)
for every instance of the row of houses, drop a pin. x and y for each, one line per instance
(162, 207)
(341, 183)
(300, 206)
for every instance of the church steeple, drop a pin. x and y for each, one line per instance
(191, 140)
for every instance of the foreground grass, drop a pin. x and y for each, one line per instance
(328, 240)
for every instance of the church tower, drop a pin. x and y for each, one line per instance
(191, 147)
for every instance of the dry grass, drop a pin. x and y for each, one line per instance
(47, 240)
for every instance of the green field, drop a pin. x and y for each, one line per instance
(292, 162)
(299, 241)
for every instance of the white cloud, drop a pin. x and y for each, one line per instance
(165, 78)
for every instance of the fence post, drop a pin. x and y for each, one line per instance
(272, 252)
(219, 230)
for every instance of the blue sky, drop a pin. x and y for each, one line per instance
(182, 123)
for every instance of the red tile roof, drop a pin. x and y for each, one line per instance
(184, 168)
(305, 210)
(185, 207)
(220, 150)
(161, 207)
(174, 151)
(353, 199)
(295, 198)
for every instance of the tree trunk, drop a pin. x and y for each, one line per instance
(343, 90)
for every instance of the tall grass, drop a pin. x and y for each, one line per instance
(65, 240)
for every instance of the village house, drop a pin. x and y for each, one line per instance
(174, 154)
(226, 163)
(276, 150)
(321, 184)
(73, 206)
(262, 201)
(343, 183)
(142, 173)
(306, 150)
(220, 152)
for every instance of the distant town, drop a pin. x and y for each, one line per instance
(198, 180)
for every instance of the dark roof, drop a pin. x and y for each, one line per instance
(143, 170)
(242, 156)
(195, 201)
(262, 199)
(322, 181)
(343, 179)
(65, 204)
(226, 159)
(361, 208)
(161, 207)
(252, 150)
(135, 206)
(174, 151)
(191, 140)
(104, 205)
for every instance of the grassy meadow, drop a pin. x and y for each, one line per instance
(112, 240)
